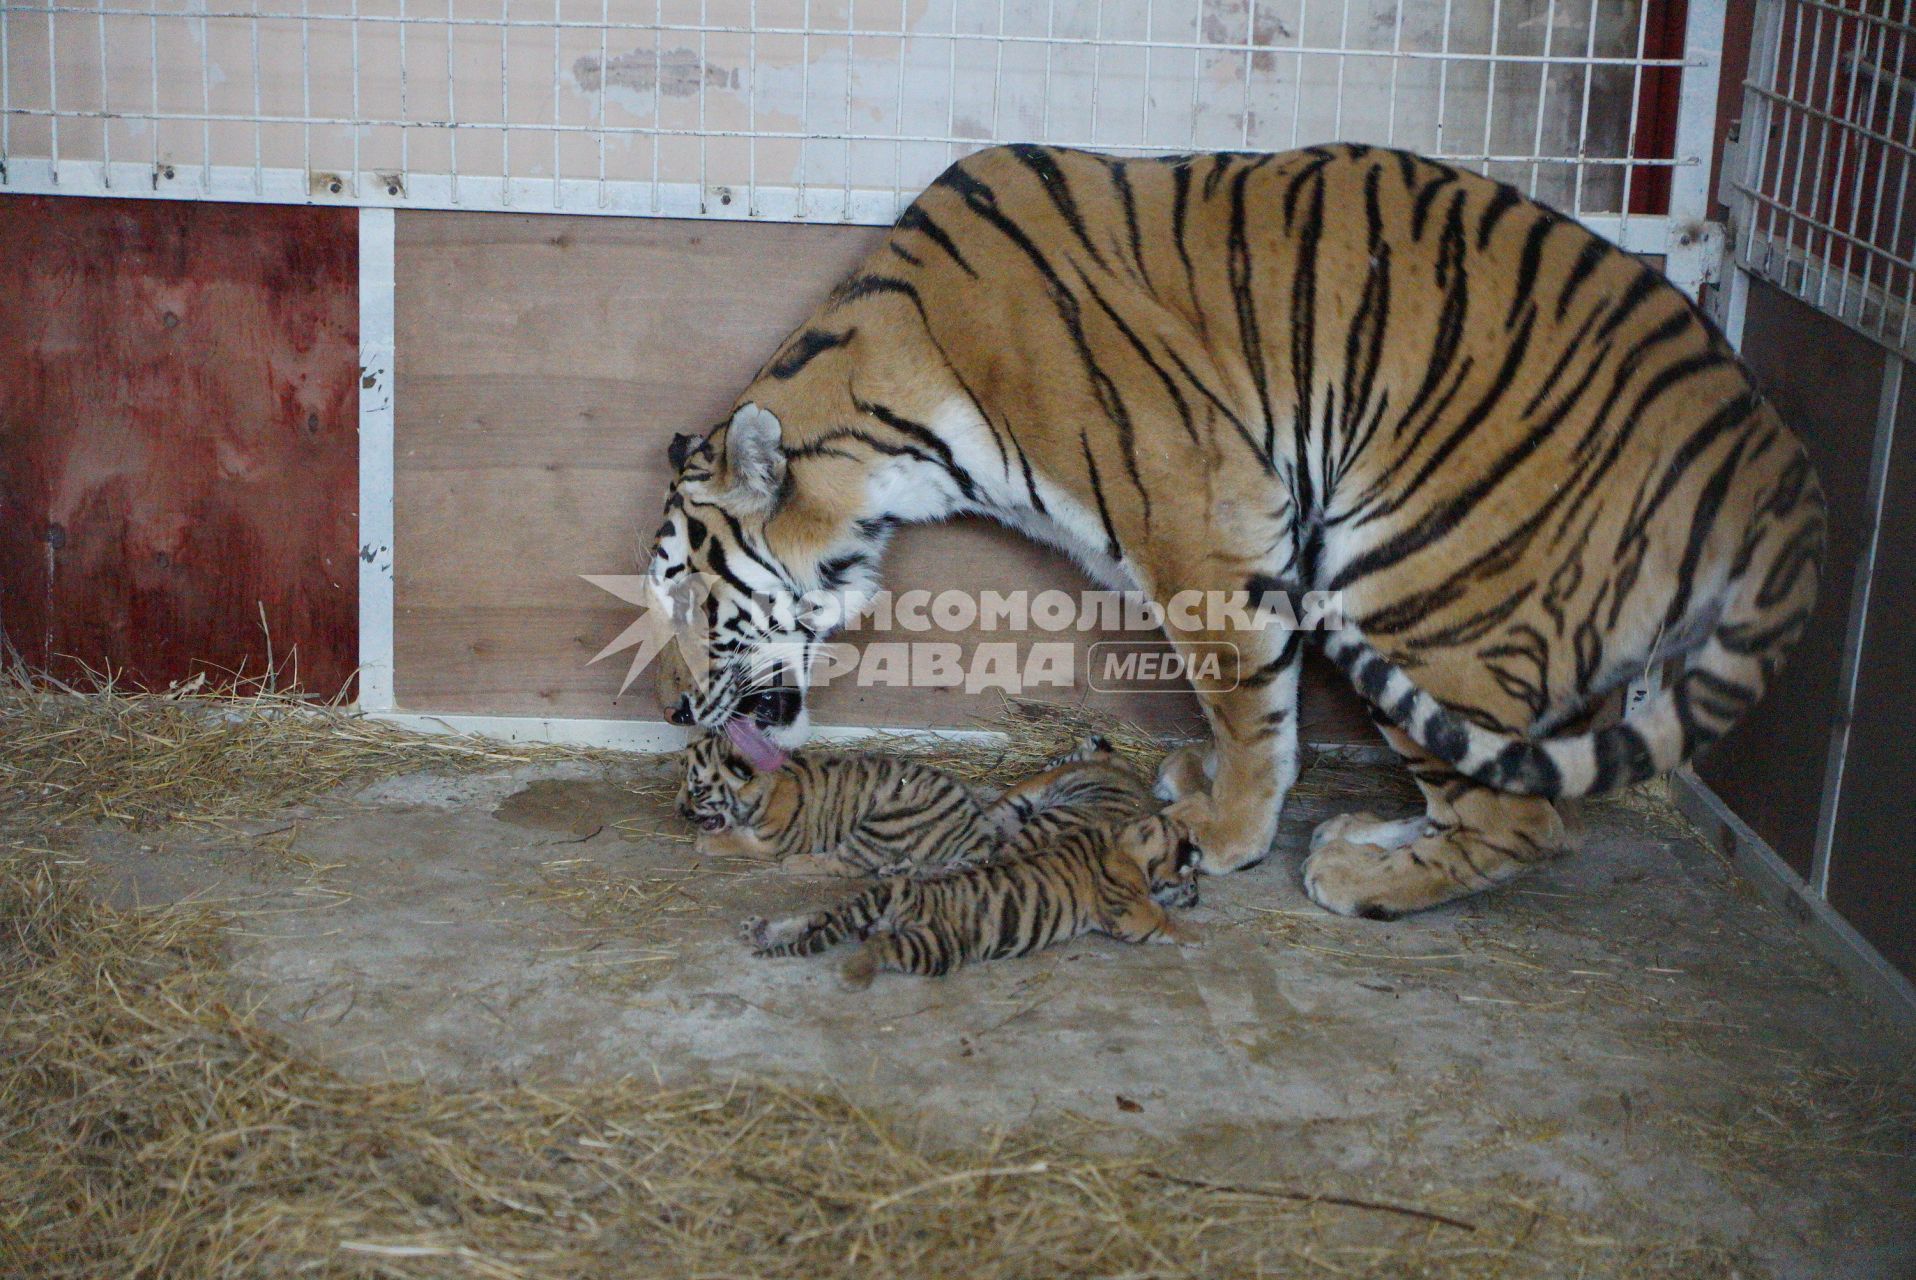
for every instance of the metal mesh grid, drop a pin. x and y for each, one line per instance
(1822, 193)
(803, 109)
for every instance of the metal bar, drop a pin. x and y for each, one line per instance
(605, 21)
(482, 126)
(106, 126)
(1396, 65)
(1150, 29)
(1636, 107)
(259, 127)
(376, 460)
(865, 175)
(1816, 224)
(1805, 109)
(714, 28)
(1862, 154)
(1855, 634)
(1583, 120)
(851, 10)
(1882, 171)
(634, 198)
(452, 108)
(1297, 94)
(1691, 256)
(1250, 38)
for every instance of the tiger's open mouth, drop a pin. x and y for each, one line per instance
(771, 708)
(754, 714)
(712, 822)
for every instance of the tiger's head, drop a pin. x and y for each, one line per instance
(1163, 847)
(757, 569)
(716, 793)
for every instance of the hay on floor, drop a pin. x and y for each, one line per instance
(207, 753)
(153, 1129)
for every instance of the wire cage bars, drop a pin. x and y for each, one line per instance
(824, 109)
(1821, 193)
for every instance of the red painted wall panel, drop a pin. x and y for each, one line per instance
(178, 436)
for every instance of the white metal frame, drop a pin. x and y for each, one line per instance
(1811, 135)
(860, 166)
(1683, 235)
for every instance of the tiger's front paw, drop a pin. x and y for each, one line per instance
(757, 931)
(1225, 846)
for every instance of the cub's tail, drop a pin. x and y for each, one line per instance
(1766, 604)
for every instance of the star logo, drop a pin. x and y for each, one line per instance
(666, 616)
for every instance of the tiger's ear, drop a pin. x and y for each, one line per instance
(681, 448)
(755, 457)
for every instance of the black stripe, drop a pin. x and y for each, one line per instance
(1097, 491)
(1595, 250)
(983, 202)
(1420, 209)
(1236, 422)
(1506, 199)
(925, 437)
(1303, 330)
(807, 347)
(916, 219)
(1527, 265)
(1042, 163)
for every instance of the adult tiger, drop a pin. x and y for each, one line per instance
(1531, 467)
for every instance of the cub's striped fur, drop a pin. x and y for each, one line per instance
(840, 814)
(1086, 788)
(1111, 880)
(1526, 464)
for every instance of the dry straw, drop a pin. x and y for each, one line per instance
(202, 753)
(154, 1128)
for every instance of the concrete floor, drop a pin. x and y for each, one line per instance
(1628, 1035)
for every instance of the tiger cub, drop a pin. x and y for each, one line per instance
(1084, 788)
(848, 815)
(1111, 880)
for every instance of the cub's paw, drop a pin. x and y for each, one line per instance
(757, 931)
(1177, 931)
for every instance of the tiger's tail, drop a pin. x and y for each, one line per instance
(1766, 605)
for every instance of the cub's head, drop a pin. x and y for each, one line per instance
(1163, 847)
(764, 551)
(714, 794)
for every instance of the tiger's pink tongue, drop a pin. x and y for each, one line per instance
(752, 743)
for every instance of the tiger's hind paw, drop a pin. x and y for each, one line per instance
(757, 931)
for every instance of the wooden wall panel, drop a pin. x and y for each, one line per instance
(1872, 876)
(1770, 768)
(543, 364)
(179, 401)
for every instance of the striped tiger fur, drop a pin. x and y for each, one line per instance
(1527, 466)
(1087, 787)
(1115, 880)
(851, 814)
